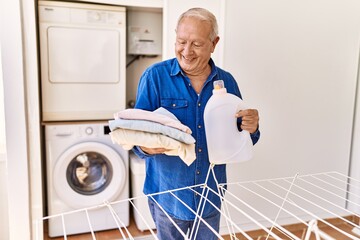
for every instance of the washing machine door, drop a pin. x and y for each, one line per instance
(88, 174)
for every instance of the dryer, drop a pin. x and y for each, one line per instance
(85, 169)
(82, 56)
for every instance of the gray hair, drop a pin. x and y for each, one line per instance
(204, 15)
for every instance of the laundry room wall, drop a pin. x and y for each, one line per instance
(3, 179)
(355, 152)
(295, 61)
(3, 196)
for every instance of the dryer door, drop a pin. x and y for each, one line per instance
(88, 174)
(83, 55)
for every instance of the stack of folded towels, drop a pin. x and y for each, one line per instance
(157, 129)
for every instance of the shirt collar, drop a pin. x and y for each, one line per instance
(176, 69)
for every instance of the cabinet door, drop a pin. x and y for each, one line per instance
(172, 11)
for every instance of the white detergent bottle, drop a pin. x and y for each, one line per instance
(226, 144)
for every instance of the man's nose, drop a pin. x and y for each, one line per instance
(188, 48)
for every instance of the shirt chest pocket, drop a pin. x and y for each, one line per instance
(176, 106)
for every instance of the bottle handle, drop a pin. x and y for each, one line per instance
(241, 106)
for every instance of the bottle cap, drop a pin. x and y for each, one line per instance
(219, 87)
(218, 84)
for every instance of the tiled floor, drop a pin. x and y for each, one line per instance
(297, 229)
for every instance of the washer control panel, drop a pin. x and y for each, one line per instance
(89, 130)
(77, 131)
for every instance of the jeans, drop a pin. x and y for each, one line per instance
(167, 231)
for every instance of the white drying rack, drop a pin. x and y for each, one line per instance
(306, 199)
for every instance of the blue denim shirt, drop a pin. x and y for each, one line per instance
(165, 85)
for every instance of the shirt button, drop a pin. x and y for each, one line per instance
(199, 126)
(199, 104)
(197, 172)
(174, 105)
(200, 150)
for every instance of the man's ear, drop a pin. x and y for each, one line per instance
(216, 40)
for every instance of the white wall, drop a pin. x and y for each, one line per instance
(295, 61)
(4, 233)
(15, 115)
(354, 189)
(33, 124)
(4, 219)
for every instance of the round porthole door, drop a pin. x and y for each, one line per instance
(88, 174)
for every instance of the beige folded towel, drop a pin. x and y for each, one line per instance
(130, 138)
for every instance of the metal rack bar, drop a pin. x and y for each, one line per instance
(303, 199)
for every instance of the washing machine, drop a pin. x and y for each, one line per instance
(84, 170)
